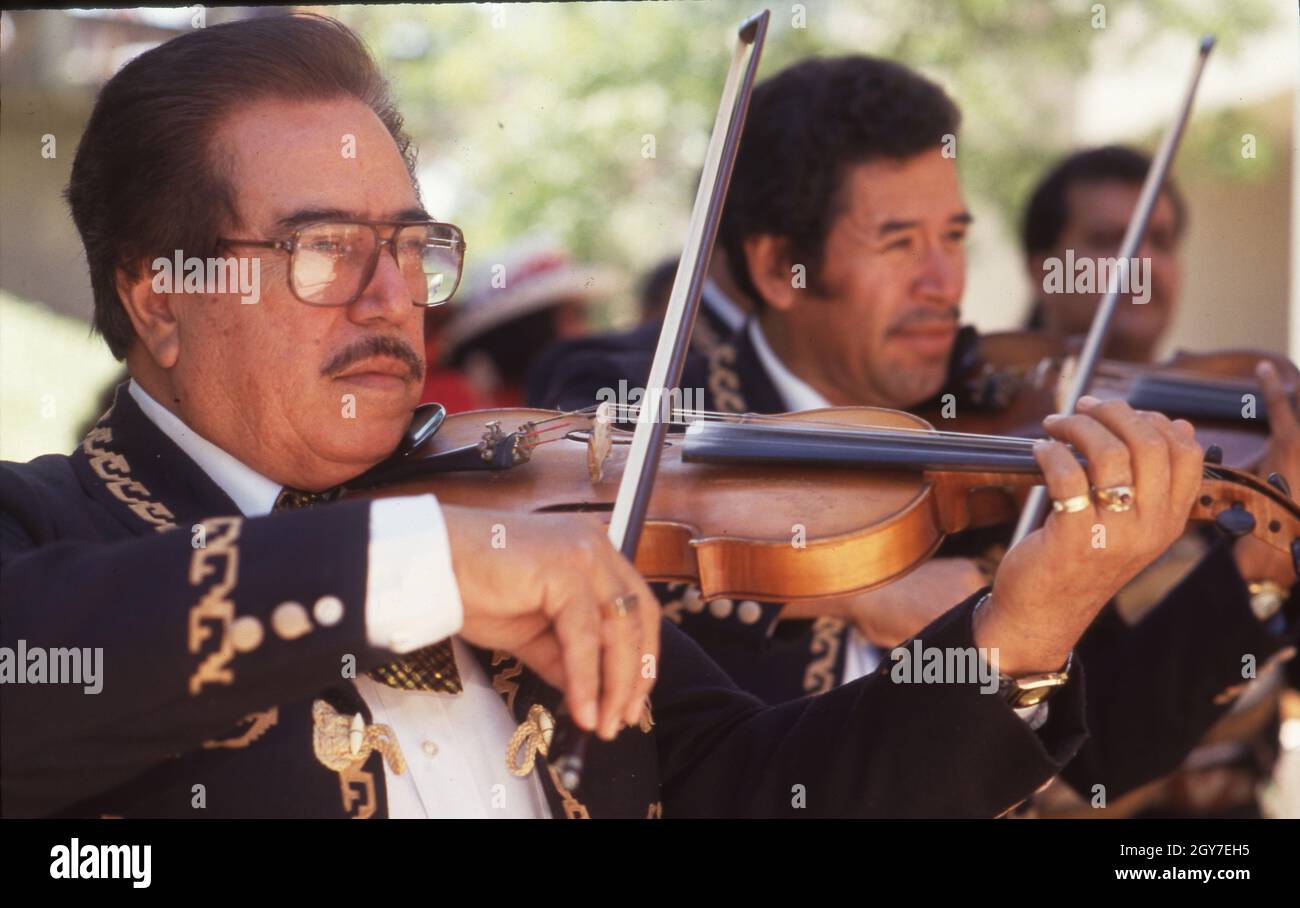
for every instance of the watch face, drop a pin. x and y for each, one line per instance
(1032, 697)
(1030, 691)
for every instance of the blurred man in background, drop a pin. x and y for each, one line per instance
(1081, 209)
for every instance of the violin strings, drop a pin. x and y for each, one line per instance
(686, 417)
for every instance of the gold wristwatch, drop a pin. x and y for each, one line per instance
(1030, 690)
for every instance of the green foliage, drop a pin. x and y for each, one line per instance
(538, 114)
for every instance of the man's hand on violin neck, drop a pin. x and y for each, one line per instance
(1052, 584)
(547, 588)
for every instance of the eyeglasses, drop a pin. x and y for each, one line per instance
(332, 262)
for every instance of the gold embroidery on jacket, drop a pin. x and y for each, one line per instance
(704, 338)
(340, 741)
(259, 724)
(343, 744)
(215, 605)
(573, 808)
(724, 381)
(503, 681)
(115, 472)
(819, 677)
(534, 736)
(358, 787)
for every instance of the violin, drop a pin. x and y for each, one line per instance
(799, 506)
(1015, 378)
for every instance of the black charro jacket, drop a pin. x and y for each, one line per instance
(97, 549)
(1154, 689)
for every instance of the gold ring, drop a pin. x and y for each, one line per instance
(1115, 498)
(624, 605)
(1072, 504)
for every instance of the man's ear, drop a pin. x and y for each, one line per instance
(771, 270)
(151, 315)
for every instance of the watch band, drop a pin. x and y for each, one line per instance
(1030, 690)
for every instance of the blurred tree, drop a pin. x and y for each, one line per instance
(590, 120)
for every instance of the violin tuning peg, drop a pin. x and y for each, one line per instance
(1278, 481)
(1214, 454)
(1236, 521)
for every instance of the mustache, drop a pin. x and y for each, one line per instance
(927, 318)
(377, 345)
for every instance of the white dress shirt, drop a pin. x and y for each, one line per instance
(454, 745)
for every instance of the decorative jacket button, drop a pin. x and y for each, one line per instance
(246, 634)
(328, 610)
(429, 748)
(749, 612)
(289, 620)
(721, 608)
(691, 600)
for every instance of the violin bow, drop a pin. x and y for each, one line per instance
(628, 516)
(1036, 503)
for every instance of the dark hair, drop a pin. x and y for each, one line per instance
(655, 286)
(147, 180)
(1047, 212)
(806, 127)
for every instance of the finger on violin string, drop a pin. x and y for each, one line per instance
(1281, 411)
(1185, 429)
(1148, 446)
(1109, 464)
(1186, 456)
(1067, 483)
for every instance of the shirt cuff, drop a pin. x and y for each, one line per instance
(412, 599)
(1035, 716)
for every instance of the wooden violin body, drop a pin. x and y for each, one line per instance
(832, 512)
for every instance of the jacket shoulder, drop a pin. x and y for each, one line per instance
(571, 374)
(32, 493)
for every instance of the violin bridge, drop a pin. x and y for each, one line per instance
(599, 441)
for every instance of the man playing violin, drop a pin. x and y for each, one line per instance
(1080, 210)
(273, 647)
(857, 268)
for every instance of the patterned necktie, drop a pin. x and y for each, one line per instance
(430, 668)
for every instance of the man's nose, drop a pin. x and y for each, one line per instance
(940, 274)
(387, 296)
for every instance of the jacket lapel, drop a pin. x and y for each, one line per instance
(141, 476)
